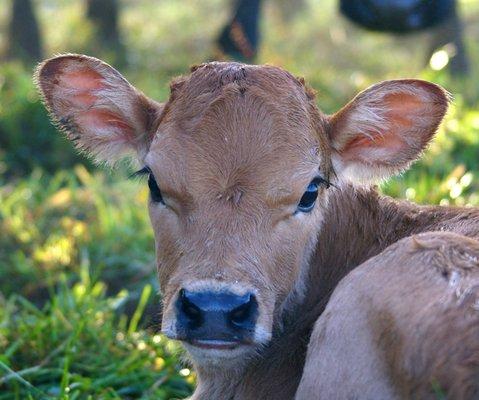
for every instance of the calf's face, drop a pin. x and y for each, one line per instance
(232, 172)
(239, 162)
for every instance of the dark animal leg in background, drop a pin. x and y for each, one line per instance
(240, 37)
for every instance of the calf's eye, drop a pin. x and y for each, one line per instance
(155, 192)
(306, 204)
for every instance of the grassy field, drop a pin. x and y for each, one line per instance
(79, 307)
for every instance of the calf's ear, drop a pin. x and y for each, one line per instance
(96, 107)
(385, 128)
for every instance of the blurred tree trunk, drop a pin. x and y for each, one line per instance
(451, 32)
(24, 41)
(104, 16)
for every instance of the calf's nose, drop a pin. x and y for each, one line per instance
(216, 316)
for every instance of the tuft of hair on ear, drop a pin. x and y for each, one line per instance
(310, 92)
(175, 86)
(195, 67)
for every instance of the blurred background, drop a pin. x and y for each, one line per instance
(79, 308)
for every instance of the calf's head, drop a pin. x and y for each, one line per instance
(239, 162)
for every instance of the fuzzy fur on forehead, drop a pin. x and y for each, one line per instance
(211, 78)
(264, 113)
(192, 95)
(290, 101)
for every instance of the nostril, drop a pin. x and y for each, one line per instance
(188, 308)
(244, 315)
(240, 314)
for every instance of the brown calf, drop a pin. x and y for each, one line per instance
(251, 238)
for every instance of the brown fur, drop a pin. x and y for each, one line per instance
(403, 325)
(233, 150)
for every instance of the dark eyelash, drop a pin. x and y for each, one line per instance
(319, 180)
(142, 172)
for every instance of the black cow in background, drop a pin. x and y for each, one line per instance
(240, 38)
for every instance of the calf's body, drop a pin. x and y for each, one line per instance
(404, 325)
(260, 205)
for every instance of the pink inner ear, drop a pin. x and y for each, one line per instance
(405, 102)
(389, 139)
(96, 119)
(402, 108)
(83, 100)
(82, 79)
(364, 147)
(81, 85)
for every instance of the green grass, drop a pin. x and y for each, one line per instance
(78, 289)
(76, 346)
(77, 273)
